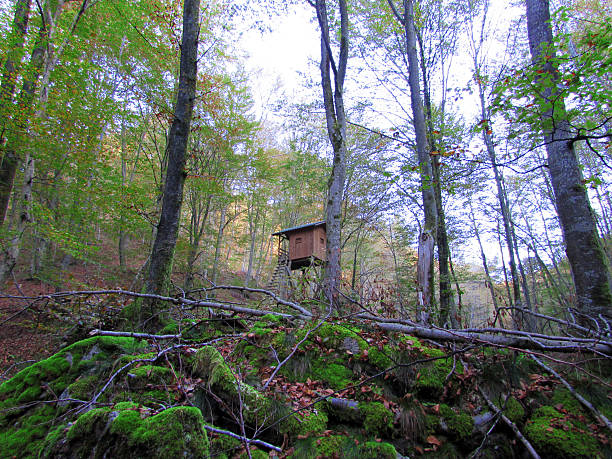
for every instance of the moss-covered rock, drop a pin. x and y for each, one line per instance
(377, 419)
(458, 425)
(555, 435)
(431, 377)
(223, 446)
(72, 372)
(513, 409)
(376, 450)
(335, 446)
(123, 432)
(380, 359)
(304, 424)
(257, 409)
(149, 375)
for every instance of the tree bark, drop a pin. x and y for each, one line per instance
(162, 254)
(586, 257)
(333, 99)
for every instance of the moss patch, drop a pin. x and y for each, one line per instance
(554, 435)
(376, 450)
(458, 425)
(124, 432)
(377, 419)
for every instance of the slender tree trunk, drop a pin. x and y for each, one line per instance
(197, 230)
(162, 254)
(448, 310)
(425, 265)
(583, 248)
(333, 100)
(483, 257)
(215, 268)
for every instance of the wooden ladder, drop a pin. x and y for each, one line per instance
(280, 277)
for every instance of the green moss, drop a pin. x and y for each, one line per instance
(333, 445)
(335, 375)
(127, 421)
(333, 335)
(83, 387)
(255, 454)
(125, 359)
(64, 363)
(553, 434)
(304, 423)
(175, 432)
(377, 419)
(258, 409)
(145, 375)
(84, 425)
(223, 446)
(563, 397)
(459, 425)
(513, 410)
(27, 434)
(432, 376)
(375, 450)
(380, 359)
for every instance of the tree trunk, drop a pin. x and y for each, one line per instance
(215, 267)
(162, 254)
(336, 129)
(485, 266)
(583, 248)
(428, 235)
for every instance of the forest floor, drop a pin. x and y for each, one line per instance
(344, 389)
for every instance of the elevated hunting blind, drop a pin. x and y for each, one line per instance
(300, 247)
(306, 244)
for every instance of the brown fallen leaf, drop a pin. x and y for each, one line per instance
(433, 441)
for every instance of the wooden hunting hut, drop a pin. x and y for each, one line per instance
(306, 245)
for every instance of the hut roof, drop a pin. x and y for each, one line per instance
(286, 231)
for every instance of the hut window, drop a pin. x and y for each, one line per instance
(322, 241)
(298, 240)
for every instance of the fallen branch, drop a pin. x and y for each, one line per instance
(270, 293)
(97, 332)
(532, 452)
(556, 344)
(499, 337)
(588, 405)
(242, 439)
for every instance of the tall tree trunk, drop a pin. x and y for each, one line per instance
(162, 254)
(333, 100)
(586, 257)
(448, 310)
(425, 265)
